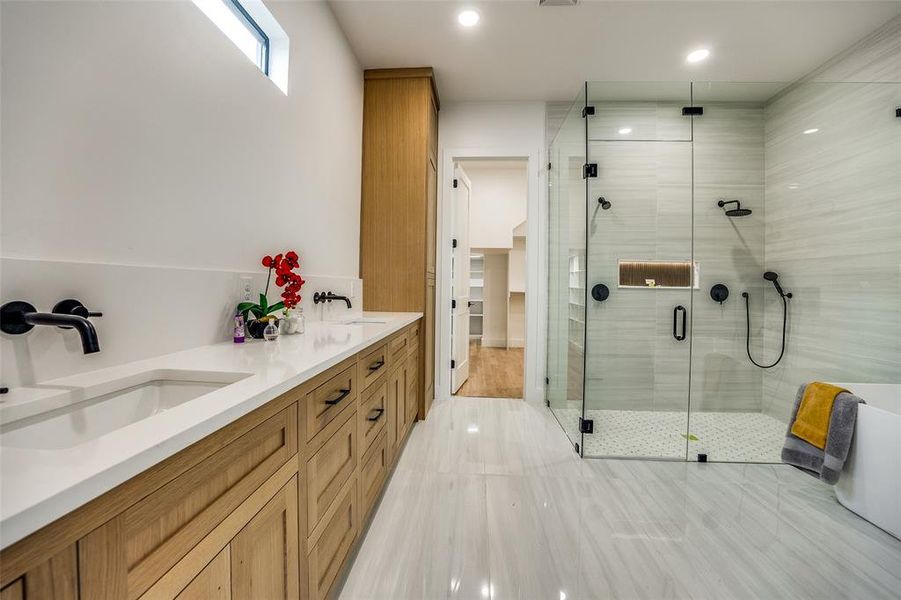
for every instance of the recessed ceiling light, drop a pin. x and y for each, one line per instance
(468, 18)
(809, 131)
(625, 131)
(697, 55)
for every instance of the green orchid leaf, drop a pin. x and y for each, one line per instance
(264, 304)
(276, 307)
(243, 307)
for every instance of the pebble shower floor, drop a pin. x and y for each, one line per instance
(724, 436)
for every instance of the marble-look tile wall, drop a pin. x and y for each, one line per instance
(633, 361)
(664, 208)
(728, 164)
(833, 233)
(833, 227)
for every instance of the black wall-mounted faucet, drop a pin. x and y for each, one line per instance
(322, 297)
(19, 317)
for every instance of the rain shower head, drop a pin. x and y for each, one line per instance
(738, 211)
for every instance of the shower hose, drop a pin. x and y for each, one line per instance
(748, 331)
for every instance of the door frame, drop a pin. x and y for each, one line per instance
(536, 265)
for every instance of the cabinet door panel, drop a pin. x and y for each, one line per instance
(331, 548)
(213, 583)
(373, 471)
(264, 554)
(411, 400)
(14, 591)
(159, 530)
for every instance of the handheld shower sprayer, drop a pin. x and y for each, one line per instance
(774, 278)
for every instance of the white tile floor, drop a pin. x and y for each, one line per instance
(489, 501)
(723, 436)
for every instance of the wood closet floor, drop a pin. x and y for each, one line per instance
(493, 372)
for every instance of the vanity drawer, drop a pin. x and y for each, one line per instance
(398, 346)
(373, 472)
(413, 337)
(372, 414)
(330, 398)
(373, 364)
(329, 468)
(333, 543)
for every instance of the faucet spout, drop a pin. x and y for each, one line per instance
(89, 342)
(320, 297)
(19, 317)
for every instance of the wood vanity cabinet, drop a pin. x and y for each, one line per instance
(399, 204)
(268, 507)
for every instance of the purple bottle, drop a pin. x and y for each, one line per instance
(239, 328)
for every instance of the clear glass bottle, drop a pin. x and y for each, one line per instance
(271, 331)
(301, 322)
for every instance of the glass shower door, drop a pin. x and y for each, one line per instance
(566, 272)
(640, 271)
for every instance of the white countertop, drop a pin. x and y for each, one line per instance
(39, 486)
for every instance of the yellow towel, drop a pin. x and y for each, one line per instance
(812, 422)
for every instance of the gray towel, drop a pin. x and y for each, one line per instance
(826, 464)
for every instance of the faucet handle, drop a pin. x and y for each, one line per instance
(71, 306)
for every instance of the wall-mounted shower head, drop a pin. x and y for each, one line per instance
(738, 211)
(605, 204)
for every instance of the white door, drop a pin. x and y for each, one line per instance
(460, 283)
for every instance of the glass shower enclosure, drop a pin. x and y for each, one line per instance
(712, 247)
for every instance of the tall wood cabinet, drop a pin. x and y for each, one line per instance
(399, 204)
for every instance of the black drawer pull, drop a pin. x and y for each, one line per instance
(377, 365)
(377, 414)
(344, 394)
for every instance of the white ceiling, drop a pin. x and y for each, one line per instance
(522, 52)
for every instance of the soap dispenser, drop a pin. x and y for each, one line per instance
(271, 331)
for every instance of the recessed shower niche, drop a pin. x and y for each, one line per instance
(658, 274)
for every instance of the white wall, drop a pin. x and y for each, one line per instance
(136, 133)
(498, 202)
(509, 130)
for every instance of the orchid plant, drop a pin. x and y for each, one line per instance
(285, 277)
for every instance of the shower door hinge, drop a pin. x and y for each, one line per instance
(897, 114)
(454, 243)
(453, 304)
(549, 164)
(453, 364)
(455, 183)
(576, 448)
(586, 425)
(588, 111)
(547, 381)
(692, 111)
(589, 170)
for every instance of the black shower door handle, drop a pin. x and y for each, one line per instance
(676, 333)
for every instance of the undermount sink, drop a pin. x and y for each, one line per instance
(84, 414)
(363, 321)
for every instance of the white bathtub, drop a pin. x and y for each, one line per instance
(871, 482)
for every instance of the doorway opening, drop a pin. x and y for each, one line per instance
(488, 282)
